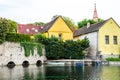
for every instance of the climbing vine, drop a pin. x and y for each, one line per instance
(29, 48)
(39, 49)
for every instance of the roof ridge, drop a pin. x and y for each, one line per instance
(93, 28)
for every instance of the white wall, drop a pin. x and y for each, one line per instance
(93, 38)
(13, 52)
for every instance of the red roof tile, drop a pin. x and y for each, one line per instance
(28, 29)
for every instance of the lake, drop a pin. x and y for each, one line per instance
(48, 72)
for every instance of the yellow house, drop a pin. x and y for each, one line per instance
(104, 38)
(58, 28)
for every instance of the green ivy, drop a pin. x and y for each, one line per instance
(29, 48)
(39, 49)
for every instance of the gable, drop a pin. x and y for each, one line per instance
(60, 26)
(110, 27)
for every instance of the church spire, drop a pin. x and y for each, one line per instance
(95, 15)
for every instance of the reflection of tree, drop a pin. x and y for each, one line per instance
(27, 75)
(64, 72)
(33, 74)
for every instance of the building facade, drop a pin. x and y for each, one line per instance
(104, 38)
(58, 28)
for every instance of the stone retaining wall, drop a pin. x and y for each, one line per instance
(13, 52)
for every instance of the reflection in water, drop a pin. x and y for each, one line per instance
(60, 73)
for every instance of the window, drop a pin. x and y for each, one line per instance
(27, 30)
(115, 39)
(107, 39)
(60, 35)
(36, 30)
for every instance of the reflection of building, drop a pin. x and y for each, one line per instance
(28, 29)
(104, 37)
(58, 28)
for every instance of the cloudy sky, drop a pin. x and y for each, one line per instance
(27, 11)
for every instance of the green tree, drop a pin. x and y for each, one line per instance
(85, 21)
(4, 27)
(38, 23)
(12, 26)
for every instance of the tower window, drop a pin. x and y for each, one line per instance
(107, 39)
(115, 39)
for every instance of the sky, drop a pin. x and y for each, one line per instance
(30, 11)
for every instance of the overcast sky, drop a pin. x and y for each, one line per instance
(28, 11)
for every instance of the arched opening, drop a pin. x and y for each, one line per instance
(11, 64)
(38, 63)
(25, 64)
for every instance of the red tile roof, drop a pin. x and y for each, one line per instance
(28, 29)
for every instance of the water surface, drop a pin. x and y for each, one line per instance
(47, 72)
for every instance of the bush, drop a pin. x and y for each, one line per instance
(113, 59)
(14, 37)
(40, 38)
(57, 49)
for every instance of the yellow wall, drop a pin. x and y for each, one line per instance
(46, 34)
(112, 29)
(60, 27)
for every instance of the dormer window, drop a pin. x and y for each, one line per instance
(36, 30)
(33, 28)
(27, 30)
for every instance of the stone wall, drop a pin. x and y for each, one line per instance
(13, 52)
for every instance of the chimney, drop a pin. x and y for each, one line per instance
(88, 24)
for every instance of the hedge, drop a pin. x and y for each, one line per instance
(14, 37)
(113, 59)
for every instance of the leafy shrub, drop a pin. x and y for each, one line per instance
(57, 49)
(14, 37)
(113, 59)
(40, 38)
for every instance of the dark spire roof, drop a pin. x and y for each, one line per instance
(92, 28)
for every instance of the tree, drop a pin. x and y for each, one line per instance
(38, 23)
(85, 21)
(4, 27)
(12, 26)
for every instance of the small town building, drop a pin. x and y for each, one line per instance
(58, 28)
(104, 38)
